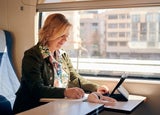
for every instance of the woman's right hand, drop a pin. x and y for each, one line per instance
(74, 93)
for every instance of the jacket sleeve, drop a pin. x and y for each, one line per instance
(34, 75)
(86, 85)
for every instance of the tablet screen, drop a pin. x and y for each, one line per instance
(123, 77)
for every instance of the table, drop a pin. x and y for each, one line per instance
(72, 107)
(65, 107)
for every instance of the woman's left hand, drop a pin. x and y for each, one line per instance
(103, 89)
(96, 97)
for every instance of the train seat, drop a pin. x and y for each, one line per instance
(9, 82)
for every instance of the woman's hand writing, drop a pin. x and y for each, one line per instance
(74, 93)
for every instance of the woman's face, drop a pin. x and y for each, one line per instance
(57, 43)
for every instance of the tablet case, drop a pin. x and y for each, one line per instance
(122, 94)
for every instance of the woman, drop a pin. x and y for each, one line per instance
(47, 71)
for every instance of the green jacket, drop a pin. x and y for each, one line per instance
(38, 78)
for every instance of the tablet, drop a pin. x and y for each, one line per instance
(123, 93)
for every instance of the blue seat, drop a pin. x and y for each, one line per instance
(5, 106)
(9, 82)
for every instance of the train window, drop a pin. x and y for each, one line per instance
(110, 41)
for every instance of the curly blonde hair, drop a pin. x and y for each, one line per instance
(54, 24)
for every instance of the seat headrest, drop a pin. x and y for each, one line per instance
(3, 47)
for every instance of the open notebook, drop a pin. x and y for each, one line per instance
(53, 99)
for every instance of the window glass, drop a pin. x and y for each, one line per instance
(112, 41)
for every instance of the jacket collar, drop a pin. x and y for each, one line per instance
(46, 52)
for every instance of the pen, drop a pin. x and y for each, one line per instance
(79, 82)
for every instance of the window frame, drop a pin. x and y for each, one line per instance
(98, 4)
